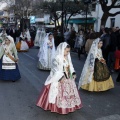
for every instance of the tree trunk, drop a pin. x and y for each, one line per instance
(104, 19)
(55, 23)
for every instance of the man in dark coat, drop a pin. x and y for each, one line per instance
(72, 38)
(13, 33)
(106, 43)
(113, 46)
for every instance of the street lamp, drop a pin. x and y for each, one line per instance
(62, 19)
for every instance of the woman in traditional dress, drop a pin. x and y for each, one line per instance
(95, 75)
(60, 93)
(29, 41)
(8, 61)
(37, 37)
(22, 45)
(42, 36)
(46, 53)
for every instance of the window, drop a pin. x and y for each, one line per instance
(94, 7)
(112, 22)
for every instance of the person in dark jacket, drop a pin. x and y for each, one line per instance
(118, 37)
(113, 46)
(118, 78)
(12, 33)
(106, 43)
(72, 38)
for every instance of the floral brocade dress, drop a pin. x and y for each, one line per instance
(67, 100)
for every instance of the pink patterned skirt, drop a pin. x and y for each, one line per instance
(67, 100)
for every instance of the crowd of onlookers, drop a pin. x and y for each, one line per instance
(81, 43)
(15, 32)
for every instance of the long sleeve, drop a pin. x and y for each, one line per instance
(55, 65)
(56, 71)
(1, 51)
(99, 55)
(72, 68)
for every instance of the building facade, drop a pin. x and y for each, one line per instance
(94, 20)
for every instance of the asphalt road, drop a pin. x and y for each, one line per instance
(18, 100)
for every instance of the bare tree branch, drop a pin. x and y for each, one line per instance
(114, 14)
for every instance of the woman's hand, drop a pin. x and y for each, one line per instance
(51, 47)
(103, 61)
(62, 79)
(74, 77)
(16, 60)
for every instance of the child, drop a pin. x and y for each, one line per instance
(60, 93)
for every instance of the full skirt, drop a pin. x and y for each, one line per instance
(67, 100)
(22, 46)
(101, 80)
(99, 86)
(41, 67)
(9, 75)
(48, 67)
(30, 43)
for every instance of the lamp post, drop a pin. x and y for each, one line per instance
(62, 19)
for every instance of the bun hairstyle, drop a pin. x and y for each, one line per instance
(100, 41)
(68, 46)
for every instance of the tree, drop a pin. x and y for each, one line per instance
(106, 9)
(54, 8)
(22, 10)
(72, 9)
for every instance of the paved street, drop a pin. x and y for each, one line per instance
(18, 100)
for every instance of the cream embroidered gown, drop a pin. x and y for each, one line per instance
(67, 99)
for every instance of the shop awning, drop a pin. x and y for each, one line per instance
(82, 21)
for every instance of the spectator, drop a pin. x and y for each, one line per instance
(118, 39)
(89, 42)
(118, 78)
(72, 38)
(117, 59)
(112, 49)
(79, 42)
(106, 43)
(67, 35)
